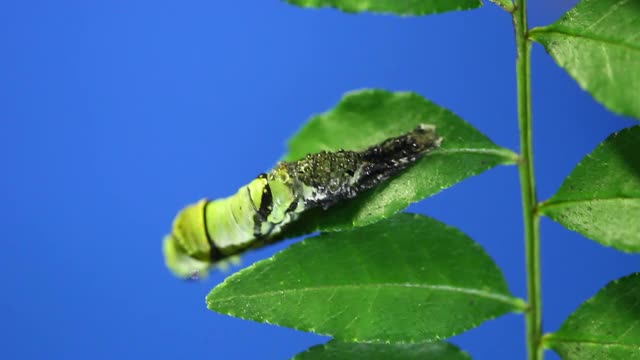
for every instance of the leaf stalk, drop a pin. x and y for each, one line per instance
(527, 183)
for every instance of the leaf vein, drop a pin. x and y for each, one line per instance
(625, 45)
(445, 288)
(554, 339)
(612, 10)
(563, 203)
(504, 153)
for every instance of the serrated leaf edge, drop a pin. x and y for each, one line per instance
(387, 13)
(327, 346)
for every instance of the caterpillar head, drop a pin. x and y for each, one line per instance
(187, 251)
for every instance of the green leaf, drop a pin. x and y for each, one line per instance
(336, 350)
(404, 7)
(406, 279)
(367, 117)
(607, 326)
(598, 43)
(601, 197)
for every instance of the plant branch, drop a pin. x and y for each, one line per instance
(527, 183)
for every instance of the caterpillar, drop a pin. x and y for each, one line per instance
(209, 232)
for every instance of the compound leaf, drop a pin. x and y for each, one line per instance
(367, 117)
(607, 326)
(407, 279)
(598, 43)
(404, 7)
(336, 350)
(601, 197)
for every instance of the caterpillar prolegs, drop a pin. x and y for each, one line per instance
(211, 231)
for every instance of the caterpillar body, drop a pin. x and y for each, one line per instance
(210, 231)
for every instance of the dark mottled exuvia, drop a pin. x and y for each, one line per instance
(343, 174)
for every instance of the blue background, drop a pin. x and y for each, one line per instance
(115, 114)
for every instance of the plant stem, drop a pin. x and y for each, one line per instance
(527, 183)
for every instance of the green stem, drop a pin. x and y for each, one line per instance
(527, 183)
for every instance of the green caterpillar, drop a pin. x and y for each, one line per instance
(210, 231)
